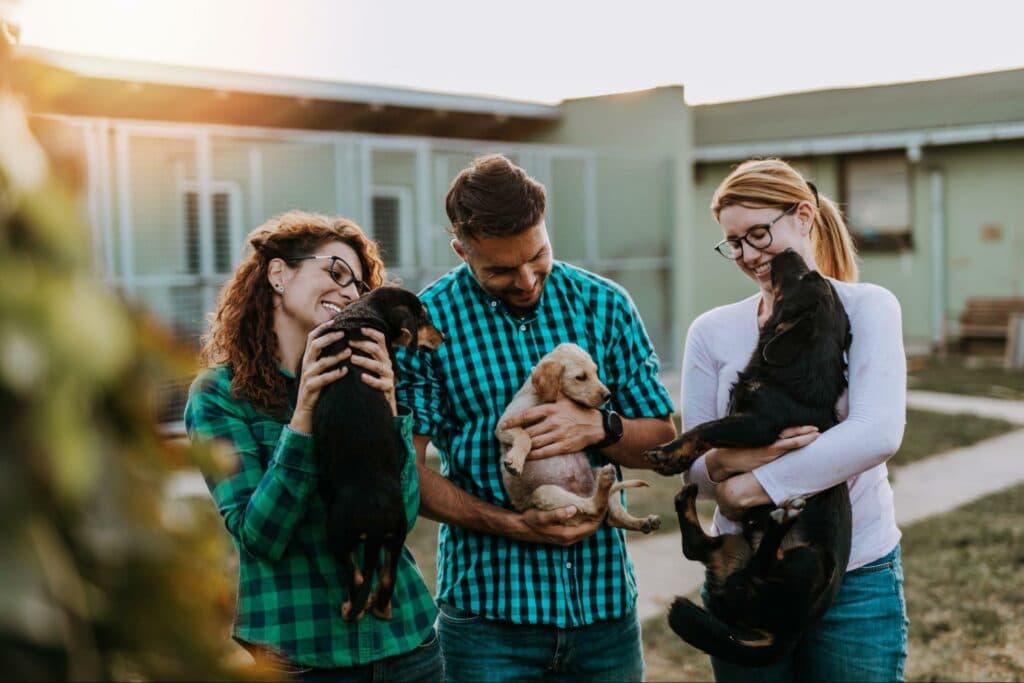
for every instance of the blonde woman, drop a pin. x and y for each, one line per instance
(765, 207)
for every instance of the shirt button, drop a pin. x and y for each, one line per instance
(568, 565)
(493, 304)
(522, 328)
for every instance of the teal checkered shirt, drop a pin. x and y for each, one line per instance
(289, 587)
(459, 392)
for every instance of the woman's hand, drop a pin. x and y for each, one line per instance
(723, 463)
(377, 363)
(738, 494)
(316, 374)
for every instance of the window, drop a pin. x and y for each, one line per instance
(392, 224)
(876, 192)
(224, 201)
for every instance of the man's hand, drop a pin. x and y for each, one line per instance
(547, 526)
(558, 428)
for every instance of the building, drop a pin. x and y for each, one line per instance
(929, 175)
(182, 163)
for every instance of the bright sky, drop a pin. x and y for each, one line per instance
(549, 50)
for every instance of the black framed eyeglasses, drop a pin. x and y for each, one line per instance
(759, 237)
(340, 271)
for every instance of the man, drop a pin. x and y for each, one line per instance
(522, 596)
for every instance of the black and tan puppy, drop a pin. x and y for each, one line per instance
(359, 455)
(769, 584)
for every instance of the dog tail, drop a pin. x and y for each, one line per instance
(705, 632)
(628, 484)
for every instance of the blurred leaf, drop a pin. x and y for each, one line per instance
(105, 577)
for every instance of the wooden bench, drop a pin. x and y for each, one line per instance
(985, 321)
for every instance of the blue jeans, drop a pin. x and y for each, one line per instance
(423, 664)
(863, 636)
(479, 650)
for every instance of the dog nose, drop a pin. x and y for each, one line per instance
(607, 396)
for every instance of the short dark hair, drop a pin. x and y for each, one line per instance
(493, 197)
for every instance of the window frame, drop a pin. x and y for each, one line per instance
(406, 256)
(890, 241)
(233, 190)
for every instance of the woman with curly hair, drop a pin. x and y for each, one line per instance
(303, 269)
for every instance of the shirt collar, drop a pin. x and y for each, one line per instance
(496, 305)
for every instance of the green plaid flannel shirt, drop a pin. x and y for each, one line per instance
(289, 590)
(458, 393)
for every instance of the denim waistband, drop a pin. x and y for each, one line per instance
(889, 558)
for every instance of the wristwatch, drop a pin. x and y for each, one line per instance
(612, 423)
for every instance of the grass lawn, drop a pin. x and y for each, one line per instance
(963, 572)
(956, 376)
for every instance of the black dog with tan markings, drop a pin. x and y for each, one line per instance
(768, 585)
(359, 455)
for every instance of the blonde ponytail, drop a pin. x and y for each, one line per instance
(760, 183)
(833, 245)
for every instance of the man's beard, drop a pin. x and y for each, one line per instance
(519, 310)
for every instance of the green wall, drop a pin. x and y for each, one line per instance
(642, 144)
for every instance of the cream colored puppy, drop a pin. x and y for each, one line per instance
(563, 480)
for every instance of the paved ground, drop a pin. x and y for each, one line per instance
(924, 488)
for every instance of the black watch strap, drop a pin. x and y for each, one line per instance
(612, 423)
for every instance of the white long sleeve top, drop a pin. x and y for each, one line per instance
(872, 411)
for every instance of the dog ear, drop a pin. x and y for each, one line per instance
(783, 348)
(403, 322)
(547, 380)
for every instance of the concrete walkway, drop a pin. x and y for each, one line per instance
(927, 487)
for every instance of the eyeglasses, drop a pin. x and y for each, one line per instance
(759, 237)
(340, 271)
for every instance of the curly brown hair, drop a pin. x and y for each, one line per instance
(241, 332)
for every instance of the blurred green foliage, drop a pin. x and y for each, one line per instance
(104, 576)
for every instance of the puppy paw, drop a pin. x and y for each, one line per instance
(685, 495)
(384, 612)
(650, 523)
(606, 476)
(668, 459)
(788, 510)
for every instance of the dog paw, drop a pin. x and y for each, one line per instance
(650, 523)
(788, 510)
(606, 476)
(685, 494)
(666, 461)
(384, 612)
